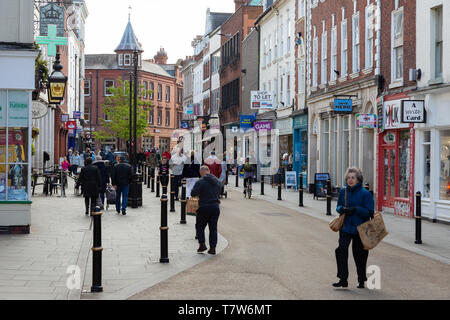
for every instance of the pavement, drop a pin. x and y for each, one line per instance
(435, 236)
(277, 252)
(38, 265)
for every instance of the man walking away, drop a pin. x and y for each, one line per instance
(122, 175)
(90, 181)
(208, 190)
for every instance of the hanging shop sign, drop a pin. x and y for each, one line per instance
(413, 111)
(247, 121)
(343, 105)
(368, 121)
(52, 14)
(392, 115)
(185, 125)
(64, 118)
(262, 100)
(39, 110)
(77, 115)
(71, 125)
(380, 114)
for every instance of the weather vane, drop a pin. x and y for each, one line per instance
(129, 12)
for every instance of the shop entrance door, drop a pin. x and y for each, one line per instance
(389, 181)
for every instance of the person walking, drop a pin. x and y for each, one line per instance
(90, 181)
(177, 164)
(121, 179)
(163, 171)
(208, 191)
(214, 165)
(69, 157)
(100, 164)
(75, 162)
(110, 155)
(358, 206)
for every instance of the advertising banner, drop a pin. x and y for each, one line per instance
(368, 121)
(262, 100)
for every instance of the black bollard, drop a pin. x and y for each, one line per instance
(262, 185)
(279, 186)
(183, 202)
(237, 177)
(164, 182)
(153, 180)
(418, 218)
(300, 191)
(172, 194)
(158, 182)
(63, 184)
(164, 231)
(329, 197)
(97, 253)
(148, 177)
(226, 175)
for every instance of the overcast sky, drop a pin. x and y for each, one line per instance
(172, 24)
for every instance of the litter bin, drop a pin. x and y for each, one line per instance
(135, 194)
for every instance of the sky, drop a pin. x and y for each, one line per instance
(171, 24)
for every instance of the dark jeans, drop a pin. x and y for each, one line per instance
(359, 254)
(93, 201)
(122, 192)
(207, 216)
(177, 184)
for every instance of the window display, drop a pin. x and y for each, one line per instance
(404, 149)
(14, 166)
(444, 179)
(426, 164)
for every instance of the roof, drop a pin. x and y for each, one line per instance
(215, 19)
(109, 62)
(129, 41)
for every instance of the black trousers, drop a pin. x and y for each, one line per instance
(177, 184)
(207, 216)
(359, 254)
(93, 201)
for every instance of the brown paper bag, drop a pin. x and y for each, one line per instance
(372, 232)
(192, 206)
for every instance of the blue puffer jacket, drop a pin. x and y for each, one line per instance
(357, 197)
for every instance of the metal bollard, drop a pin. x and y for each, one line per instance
(153, 180)
(63, 185)
(300, 191)
(97, 253)
(329, 197)
(158, 182)
(183, 202)
(164, 231)
(172, 194)
(262, 185)
(418, 218)
(237, 177)
(279, 186)
(148, 177)
(226, 175)
(163, 180)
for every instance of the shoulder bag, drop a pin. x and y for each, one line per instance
(338, 221)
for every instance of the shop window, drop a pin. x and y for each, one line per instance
(333, 150)
(426, 164)
(404, 158)
(444, 178)
(345, 147)
(355, 160)
(325, 145)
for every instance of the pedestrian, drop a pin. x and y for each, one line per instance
(223, 175)
(358, 206)
(65, 165)
(110, 155)
(90, 181)
(69, 159)
(163, 171)
(100, 164)
(214, 165)
(208, 191)
(152, 162)
(249, 173)
(177, 164)
(122, 175)
(75, 162)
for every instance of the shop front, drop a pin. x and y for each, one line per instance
(300, 161)
(395, 161)
(286, 141)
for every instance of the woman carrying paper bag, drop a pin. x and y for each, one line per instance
(358, 206)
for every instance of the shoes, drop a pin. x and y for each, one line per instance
(212, 250)
(118, 211)
(124, 212)
(361, 285)
(341, 283)
(86, 213)
(202, 248)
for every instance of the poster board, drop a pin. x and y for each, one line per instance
(320, 184)
(291, 179)
(190, 183)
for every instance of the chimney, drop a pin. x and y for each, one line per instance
(161, 56)
(239, 3)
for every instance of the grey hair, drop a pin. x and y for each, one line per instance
(204, 169)
(355, 170)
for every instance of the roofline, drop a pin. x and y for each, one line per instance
(139, 70)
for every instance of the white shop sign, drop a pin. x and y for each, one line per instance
(262, 100)
(413, 111)
(392, 115)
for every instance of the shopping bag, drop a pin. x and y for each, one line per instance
(192, 206)
(337, 222)
(372, 232)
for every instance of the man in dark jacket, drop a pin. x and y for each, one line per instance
(90, 181)
(208, 191)
(121, 179)
(100, 164)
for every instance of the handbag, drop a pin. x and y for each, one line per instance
(337, 222)
(372, 232)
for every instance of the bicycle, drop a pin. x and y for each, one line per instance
(248, 188)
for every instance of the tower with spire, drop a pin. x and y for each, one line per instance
(128, 44)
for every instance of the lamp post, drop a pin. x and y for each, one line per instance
(56, 85)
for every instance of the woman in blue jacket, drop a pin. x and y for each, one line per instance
(358, 206)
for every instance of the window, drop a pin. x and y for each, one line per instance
(444, 177)
(344, 49)
(108, 84)
(323, 67)
(301, 8)
(333, 54)
(438, 43)
(179, 95)
(145, 89)
(167, 118)
(159, 92)
(281, 41)
(333, 150)
(397, 45)
(231, 50)
(127, 59)
(87, 88)
(179, 116)
(230, 94)
(152, 89)
(215, 62)
(167, 94)
(426, 160)
(150, 117)
(288, 89)
(281, 89)
(265, 53)
(276, 45)
(345, 146)
(355, 143)
(315, 62)
(369, 37)
(325, 144)
(121, 59)
(159, 117)
(301, 77)
(288, 44)
(355, 41)
(270, 50)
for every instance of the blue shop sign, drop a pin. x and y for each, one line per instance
(247, 121)
(343, 105)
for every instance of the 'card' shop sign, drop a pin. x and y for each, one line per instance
(413, 111)
(392, 115)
